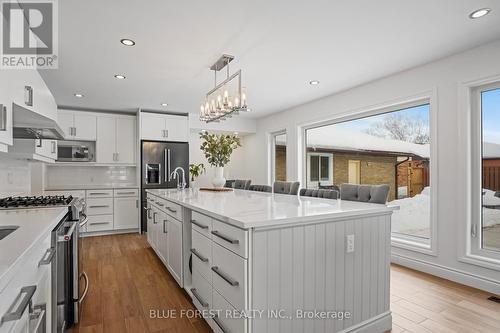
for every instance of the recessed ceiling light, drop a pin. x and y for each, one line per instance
(79, 95)
(479, 13)
(127, 42)
(119, 76)
(164, 104)
(313, 82)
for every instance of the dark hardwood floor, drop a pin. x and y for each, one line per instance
(127, 280)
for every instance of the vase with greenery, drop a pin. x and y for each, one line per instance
(195, 170)
(218, 149)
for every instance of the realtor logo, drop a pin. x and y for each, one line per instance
(29, 34)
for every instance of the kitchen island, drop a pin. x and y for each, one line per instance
(264, 262)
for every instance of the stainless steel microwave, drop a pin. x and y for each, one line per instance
(76, 151)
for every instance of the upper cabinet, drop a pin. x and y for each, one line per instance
(78, 125)
(116, 139)
(164, 127)
(26, 89)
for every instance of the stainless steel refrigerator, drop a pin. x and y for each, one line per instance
(159, 159)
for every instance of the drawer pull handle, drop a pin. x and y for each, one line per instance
(199, 225)
(218, 322)
(99, 223)
(197, 296)
(97, 193)
(39, 313)
(27, 294)
(47, 257)
(171, 210)
(160, 204)
(226, 278)
(125, 192)
(164, 225)
(196, 253)
(99, 206)
(224, 237)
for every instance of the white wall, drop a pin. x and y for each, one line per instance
(440, 79)
(67, 177)
(234, 170)
(14, 176)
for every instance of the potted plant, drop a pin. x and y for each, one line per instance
(195, 170)
(218, 149)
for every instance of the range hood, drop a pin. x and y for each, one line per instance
(31, 125)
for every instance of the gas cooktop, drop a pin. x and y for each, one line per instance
(35, 201)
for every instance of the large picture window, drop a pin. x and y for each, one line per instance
(390, 148)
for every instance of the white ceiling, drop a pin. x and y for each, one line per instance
(279, 45)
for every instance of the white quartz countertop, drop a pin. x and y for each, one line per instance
(89, 187)
(250, 209)
(34, 226)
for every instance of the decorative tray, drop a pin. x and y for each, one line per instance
(214, 189)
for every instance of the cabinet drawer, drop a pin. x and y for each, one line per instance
(126, 192)
(229, 273)
(100, 223)
(223, 323)
(100, 206)
(201, 223)
(201, 248)
(172, 209)
(99, 194)
(230, 237)
(202, 293)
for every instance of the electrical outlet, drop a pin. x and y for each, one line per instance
(350, 243)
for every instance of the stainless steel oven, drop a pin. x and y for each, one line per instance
(67, 291)
(76, 151)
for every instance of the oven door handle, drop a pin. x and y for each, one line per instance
(66, 237)
(84, 294)
(84, 221)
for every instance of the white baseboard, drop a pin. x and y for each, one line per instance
(109, 232)
(455, 275)
(379, 324)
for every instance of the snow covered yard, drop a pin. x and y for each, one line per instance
(413, 218)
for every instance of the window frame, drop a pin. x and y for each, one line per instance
(475, 250)
(272, 146)
(426, 97)
(330, 169)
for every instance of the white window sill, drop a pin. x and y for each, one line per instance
(413, 244)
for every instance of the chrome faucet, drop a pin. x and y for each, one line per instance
(175, 175)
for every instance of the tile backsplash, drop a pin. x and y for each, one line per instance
(15, 175)
(67, 176)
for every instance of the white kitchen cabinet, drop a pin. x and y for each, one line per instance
(116, 139)
(164, 127)
(175, 249)
(38, 150)
(78, 125)
(126, 212)
(46, 148)
(126, 140)
(5, 111)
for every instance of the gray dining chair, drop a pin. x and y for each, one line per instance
(229, 183)
(242, 184)
(319, 193)
(365, 193)
(261, 188)
(286, 187)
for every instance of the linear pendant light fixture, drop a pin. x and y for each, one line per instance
(226, 98)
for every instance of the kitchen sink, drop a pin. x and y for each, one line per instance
(7, 230)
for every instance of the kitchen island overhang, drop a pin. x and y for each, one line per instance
(295, 260)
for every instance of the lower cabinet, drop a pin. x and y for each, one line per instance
(165, 237)
(25, 304)
(174, 242)
(126, 213)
